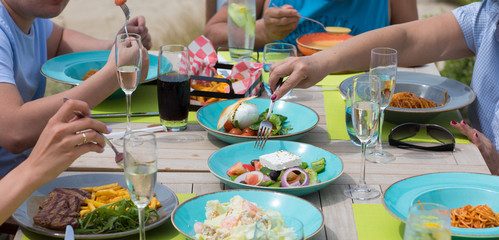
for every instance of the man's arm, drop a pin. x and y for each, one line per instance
(418, 42)
(402, 11)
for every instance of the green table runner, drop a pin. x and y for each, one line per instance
(165, 231)
(144, 99)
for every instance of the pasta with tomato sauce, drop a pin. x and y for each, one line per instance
(480, 216)
(410, 100)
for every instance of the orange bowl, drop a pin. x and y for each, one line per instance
(311, 43)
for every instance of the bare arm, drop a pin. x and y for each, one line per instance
(418, 42)
(402, 11)
(57, 148)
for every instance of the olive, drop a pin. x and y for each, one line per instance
(254, 161)
(274, 175)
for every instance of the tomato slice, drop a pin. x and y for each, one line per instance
(249, 167)
(251, 179)
(237, 169)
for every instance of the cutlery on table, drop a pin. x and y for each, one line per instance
(69, 235)
(138, 114)
(265, 128)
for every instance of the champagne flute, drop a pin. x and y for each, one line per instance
(128, 53)
(275, 52)
(428, 221)
(365, 113)
(141, 166)
(384, 66)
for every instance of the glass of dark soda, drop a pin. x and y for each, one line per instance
(173, 86)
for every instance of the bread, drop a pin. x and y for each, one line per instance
(229, 111)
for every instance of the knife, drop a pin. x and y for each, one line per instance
(69, 235)
(124, 114)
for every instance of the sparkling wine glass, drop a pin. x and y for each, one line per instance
(384, 66)
(275, 52)
(428, 221)
(365, 113)
(140, 154)
(128, 53)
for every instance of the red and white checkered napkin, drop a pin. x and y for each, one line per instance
(203, 57)
(249, 72)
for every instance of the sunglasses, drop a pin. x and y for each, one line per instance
(407, 130)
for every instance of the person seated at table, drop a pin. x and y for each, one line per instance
(60, 143)
(278, 20)
(27, 39)
(465, 32)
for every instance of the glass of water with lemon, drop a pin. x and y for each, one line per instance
(428, 221)
(241, 29)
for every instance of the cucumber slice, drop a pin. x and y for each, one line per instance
(312, 175)
(318, 165)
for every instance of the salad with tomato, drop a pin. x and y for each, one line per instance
(256, 174)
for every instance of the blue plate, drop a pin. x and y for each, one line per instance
(193, 210)
(429, 86)
(71, 68)
(301, 118)
(220, 161)
(25, 213)
(453, 190)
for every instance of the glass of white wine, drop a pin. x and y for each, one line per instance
(384, 66)
(428, 221)
(128, 56)
(365, 113)
(141, 166)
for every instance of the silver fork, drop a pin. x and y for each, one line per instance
(265, 128)
(126, 11)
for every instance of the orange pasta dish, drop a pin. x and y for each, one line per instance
(480, 216)
(409, 100)
(89, 74)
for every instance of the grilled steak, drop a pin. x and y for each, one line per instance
(61, 208)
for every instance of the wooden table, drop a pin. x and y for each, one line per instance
(183, 156)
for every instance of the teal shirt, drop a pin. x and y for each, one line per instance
(358, 15)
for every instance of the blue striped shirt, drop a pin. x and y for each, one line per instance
(479, 23)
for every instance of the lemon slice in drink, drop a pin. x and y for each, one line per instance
(241, 16)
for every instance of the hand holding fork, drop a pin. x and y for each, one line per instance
(265, 128)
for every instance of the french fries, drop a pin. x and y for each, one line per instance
(211, 86)
(105, 194)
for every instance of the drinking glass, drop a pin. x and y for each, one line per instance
(275, 52)
(384, 66)
(365, 113)
(140, 154)
(174, 86)
(128, 55)
(348, 122)
(428, 221)
(241, 21)
(279, 227)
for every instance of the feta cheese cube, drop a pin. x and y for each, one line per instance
(280, 160)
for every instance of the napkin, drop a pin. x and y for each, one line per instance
(204, 57)
(374, 222)
(164, 231)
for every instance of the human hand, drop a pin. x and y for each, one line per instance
(486, 147)
(60, 143)
(279, 22)
(138, 25)
(303, 72)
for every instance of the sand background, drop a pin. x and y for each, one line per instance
(168, 21)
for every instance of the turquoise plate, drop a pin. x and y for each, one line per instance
(453, 190)
(25, 213)
(71, 68)
(301, 118)
(193, 210)
(220, 161)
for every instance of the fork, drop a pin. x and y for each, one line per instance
(126, 11)
(265, 128)
(310, 19)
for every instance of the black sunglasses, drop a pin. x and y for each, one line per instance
(408, 130)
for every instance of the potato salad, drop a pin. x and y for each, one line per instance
(234, 220)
